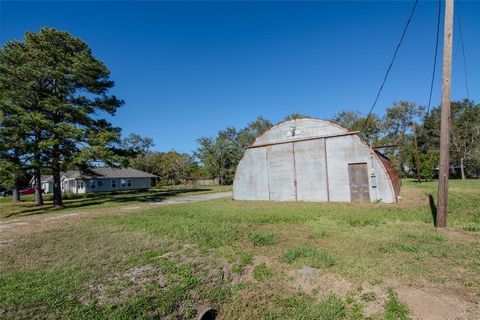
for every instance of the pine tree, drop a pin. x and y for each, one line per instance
(16, 134)
(59, 88)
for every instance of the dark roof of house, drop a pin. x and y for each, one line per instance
(71, 174)
(121, 173)
(102, 173)
(45, 178)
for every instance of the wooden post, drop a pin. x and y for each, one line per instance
(441, 219)
(417, 159)
(462, 168)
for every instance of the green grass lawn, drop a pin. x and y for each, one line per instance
(102, 199)
(250, 260)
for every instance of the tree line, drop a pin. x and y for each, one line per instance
(392, 134)
(215, 158)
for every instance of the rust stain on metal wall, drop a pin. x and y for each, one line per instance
(392, 173)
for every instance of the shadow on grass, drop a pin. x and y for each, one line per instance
(97, 199)
(433, 208)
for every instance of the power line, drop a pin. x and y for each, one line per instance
(435, 56)
(391, 63)
(463, 53)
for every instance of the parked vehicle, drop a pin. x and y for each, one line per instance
(6, 193)
(29, 191)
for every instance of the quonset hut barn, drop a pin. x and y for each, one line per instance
(314, 160)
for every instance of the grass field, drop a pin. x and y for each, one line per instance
(250, 260)
(102, 199)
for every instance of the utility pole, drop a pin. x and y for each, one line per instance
(441, 219)
(417, 159)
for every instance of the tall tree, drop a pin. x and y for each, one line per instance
(148, 162)
(20, 124)
(397, 124)
(175, 167)
(295, 115)
(465, 135)
(171, 167)
(355, 121)
(220, 155)
(429, 131)
(136, 144)
(69, 88)
(253, 130)
(12, 168)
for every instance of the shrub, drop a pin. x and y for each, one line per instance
(245, 259)
(369, 297)
(332, 308)
(262, 272)
(315, 256)
(472, 228)
(394, 309)
(317, 234)
(263, 239)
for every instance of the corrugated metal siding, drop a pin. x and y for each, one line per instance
(305, 128)
(339, 153)
(252, 176)
(310, 167)
(310, 170)
(281, 172)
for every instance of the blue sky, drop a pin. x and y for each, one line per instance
(189, 69)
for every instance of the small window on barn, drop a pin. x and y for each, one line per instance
(93, 185)
(122, 183)
(129, 182)
(100, 183)
(114, 183)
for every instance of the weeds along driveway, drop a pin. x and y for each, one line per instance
(35, 220)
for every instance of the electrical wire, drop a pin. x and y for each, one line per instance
(435, 57)
(463, 53)
(391, 64)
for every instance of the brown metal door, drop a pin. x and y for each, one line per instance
(359, 188)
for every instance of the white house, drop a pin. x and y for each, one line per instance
(101, 179)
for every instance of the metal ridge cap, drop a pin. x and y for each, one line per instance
(305, 139)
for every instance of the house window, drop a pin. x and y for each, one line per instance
(129, 182)
(122, 183)
(92, 184)
(81, 185)
(100, 183)
(114, 183)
